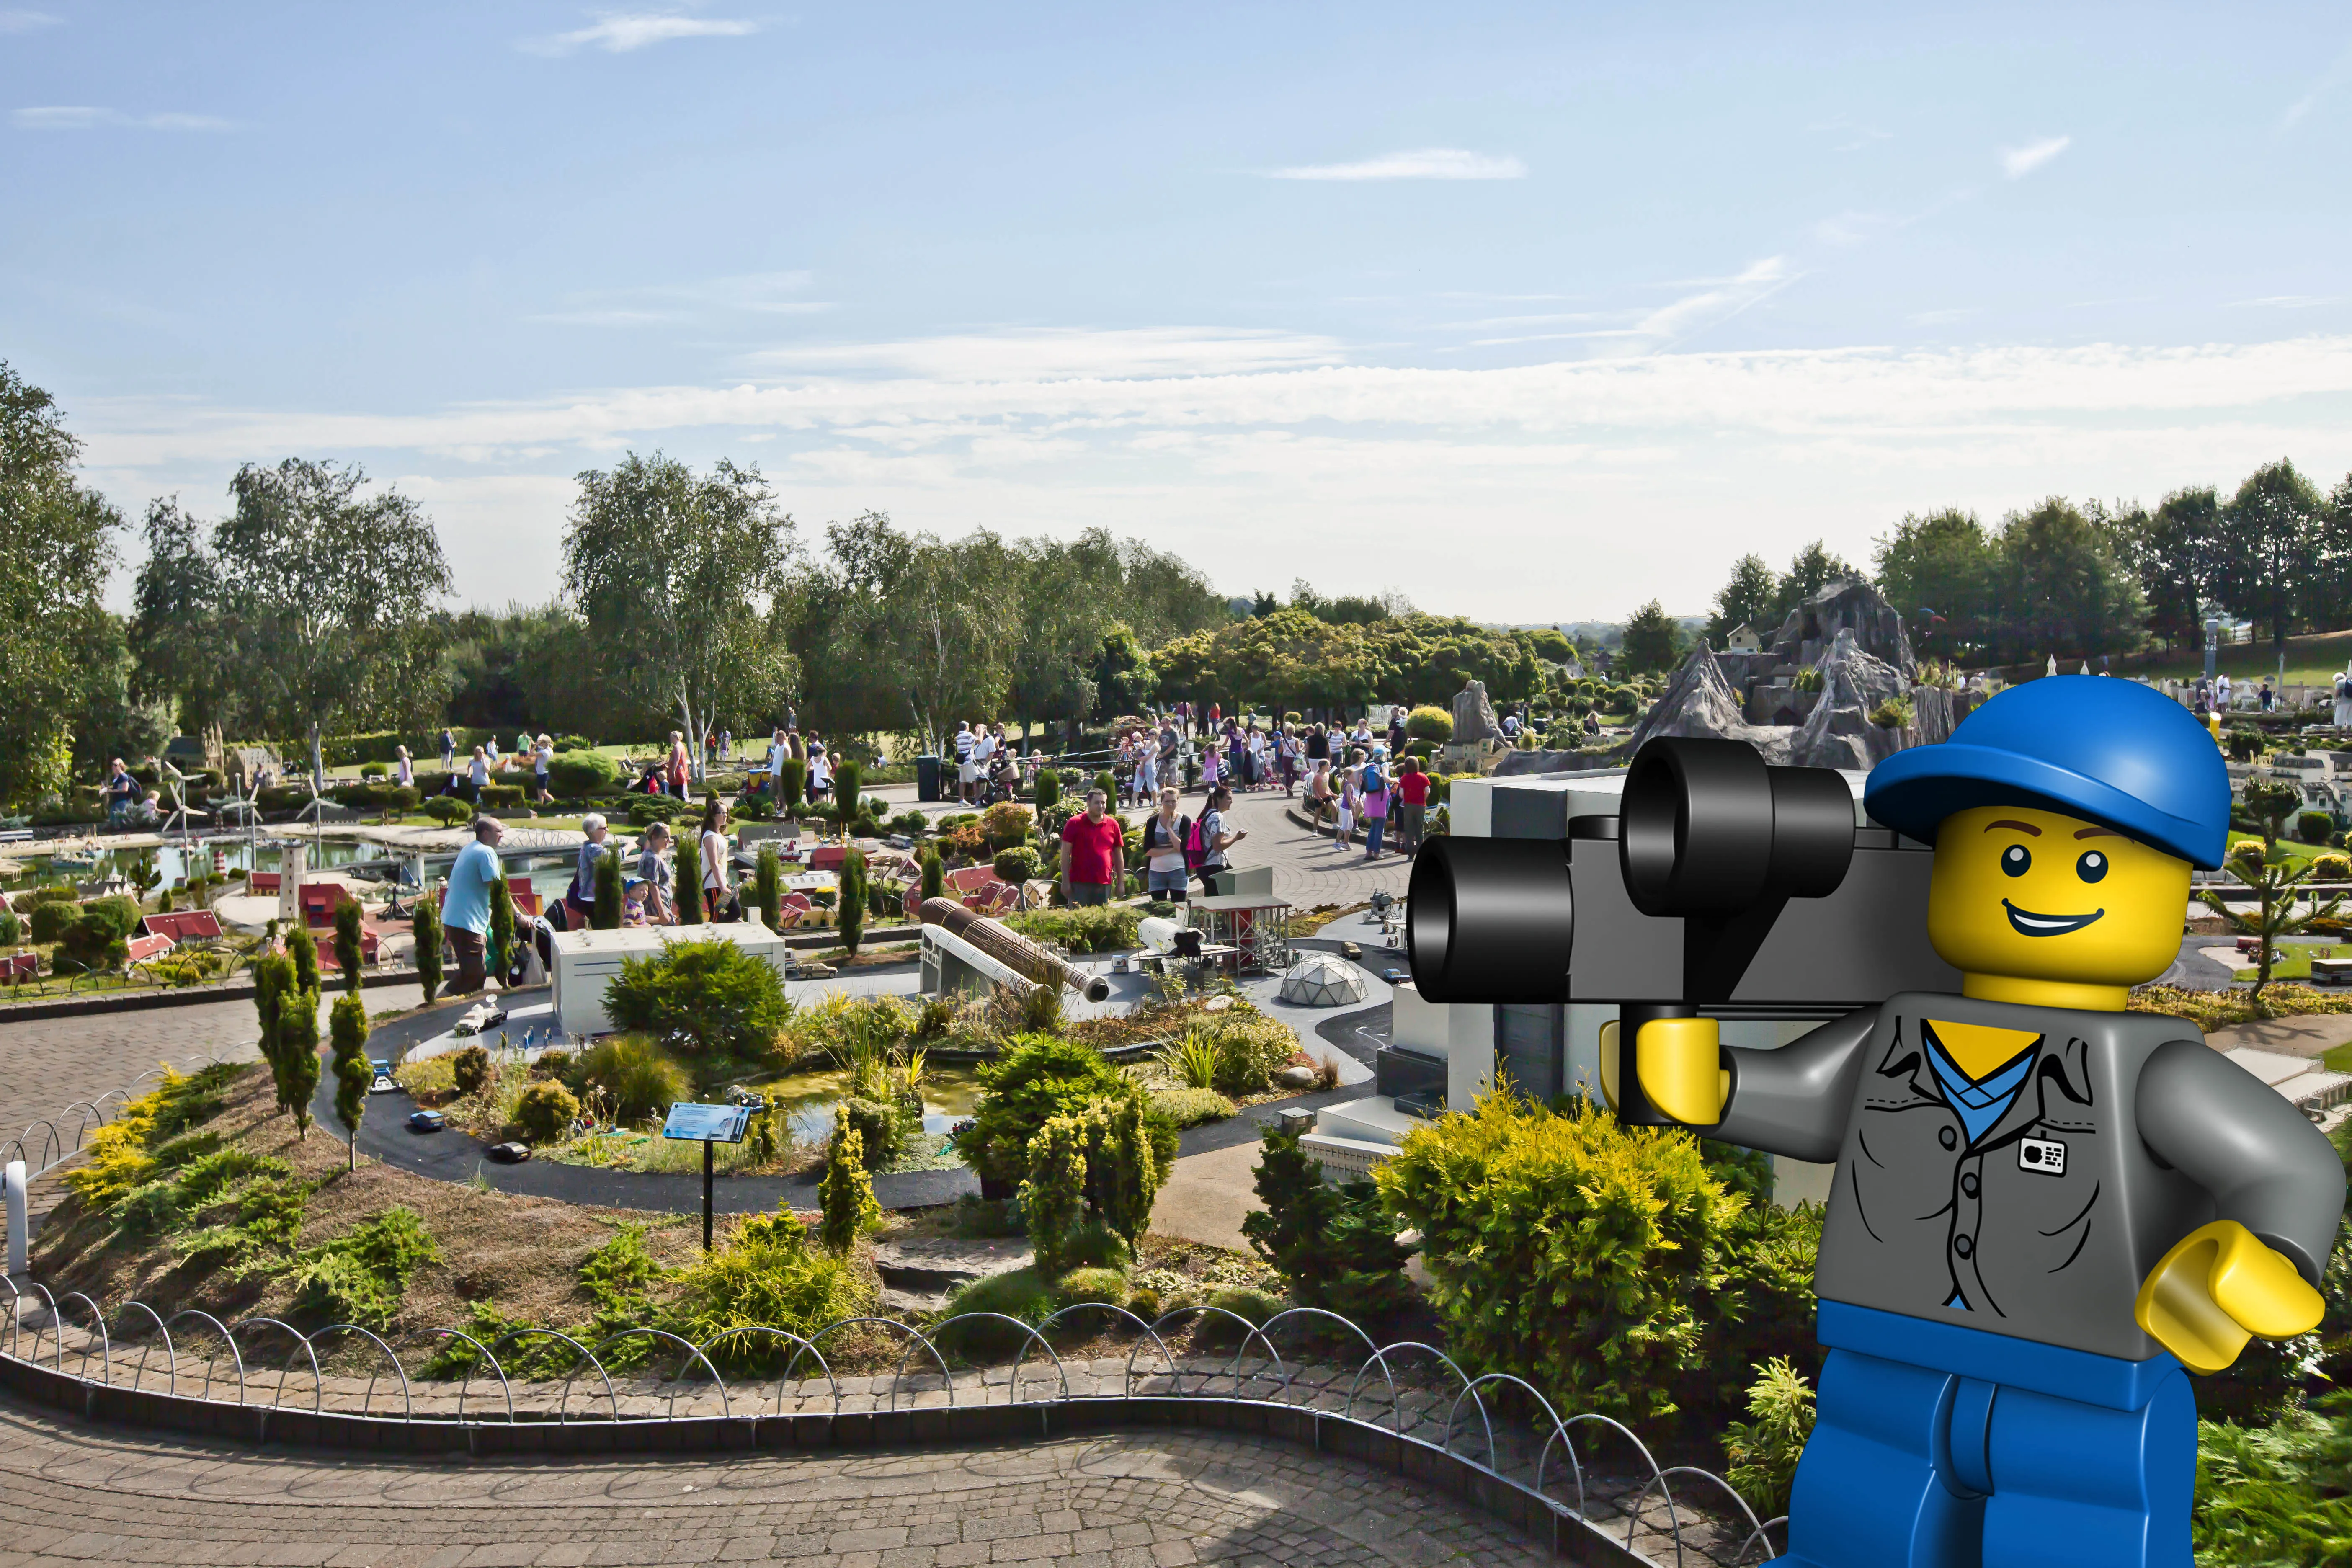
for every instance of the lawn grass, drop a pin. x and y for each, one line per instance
(2293, 960)
(2312, 659)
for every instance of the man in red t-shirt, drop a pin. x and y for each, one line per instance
(1092, 846)
(1413, 806)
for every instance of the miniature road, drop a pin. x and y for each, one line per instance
(84, 1494)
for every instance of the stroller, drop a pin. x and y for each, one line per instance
(1001, 782)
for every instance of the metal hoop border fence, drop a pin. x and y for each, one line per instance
(46, 1319)
(89, 1116)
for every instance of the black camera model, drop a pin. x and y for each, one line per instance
(1721, 888)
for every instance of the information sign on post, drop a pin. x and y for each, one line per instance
(707, 1125)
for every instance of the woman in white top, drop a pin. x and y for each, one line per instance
(478, 771)
(403, 768)
(820, 775)
(718, 890)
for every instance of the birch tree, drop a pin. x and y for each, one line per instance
(675, 574)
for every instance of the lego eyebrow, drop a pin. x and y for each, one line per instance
(2098, 833)
(2025, 828)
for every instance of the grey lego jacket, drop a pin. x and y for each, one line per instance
(2128, 1132)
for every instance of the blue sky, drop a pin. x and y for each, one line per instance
(1531, 312)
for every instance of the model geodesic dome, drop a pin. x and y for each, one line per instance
(1322, 980)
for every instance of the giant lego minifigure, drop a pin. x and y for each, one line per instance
(2045, 1207)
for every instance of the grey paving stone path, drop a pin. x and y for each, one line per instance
(47, 1064)
(78, 1494)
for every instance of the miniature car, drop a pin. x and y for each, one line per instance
(425, 1121)
(382, 1083)
(509, 1153)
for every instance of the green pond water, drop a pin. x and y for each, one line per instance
(949, 1094)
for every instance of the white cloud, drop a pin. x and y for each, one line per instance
(83, 117)
(1063, 354)
(1600, 481)
(2335, 76)
(757, 293)
(13, 21)
(1428, 163)
(620, 33)
(2285, 301)
(2016, 163)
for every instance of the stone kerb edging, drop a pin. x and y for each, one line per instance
(1458, 1476)
(1312, 1403)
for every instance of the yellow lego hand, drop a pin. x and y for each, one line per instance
(1680, 1063)
(2218, 1287)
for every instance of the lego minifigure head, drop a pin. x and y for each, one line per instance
(2066, 814)
(2028, 894)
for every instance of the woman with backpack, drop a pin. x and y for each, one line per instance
(1374, 787)
(1165, 831)
(1205, 845)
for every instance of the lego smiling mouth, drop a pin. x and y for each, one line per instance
(2030, 924)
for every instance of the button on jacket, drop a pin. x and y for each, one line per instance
(2120, 1134)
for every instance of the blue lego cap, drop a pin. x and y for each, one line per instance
(2112, 752)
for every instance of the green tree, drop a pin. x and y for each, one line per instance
(426, 928)
(502, 942)
(675, 574)
(2267, 554)
(1333, 1245)
(183, 652)
(329, 595)
(1941, 562)
(689, 877)
(348, 1027)
(273, 980)
(1747, 600)
(1122, 673)
(853, 894)
(2277, 882)
(1653, 640)
(768, 885)
(845, 1190)
(849, 793)
(108, 716)
(1811, 570)
(298, 1055)
(793, 785)
(606, 913)
(303, 949)
(2058, 589)
(349, 944)
(935, 875)
(1052, 1196)
(57, 551)
(2172, 551)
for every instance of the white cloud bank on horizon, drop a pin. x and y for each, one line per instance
(1426, 163)
(1521, 492)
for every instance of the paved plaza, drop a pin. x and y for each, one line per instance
(76, 1494)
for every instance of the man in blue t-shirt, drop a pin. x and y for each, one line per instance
(465, 906)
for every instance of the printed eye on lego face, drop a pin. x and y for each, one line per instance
(2036, 894)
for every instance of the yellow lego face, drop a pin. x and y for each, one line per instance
(2038, 895)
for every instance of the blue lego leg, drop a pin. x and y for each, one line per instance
(2089, 1487)
(1868, 1491)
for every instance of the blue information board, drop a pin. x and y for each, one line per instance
(707, 1123)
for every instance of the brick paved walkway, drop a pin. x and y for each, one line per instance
(1161, 1500)
(47, 1064)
